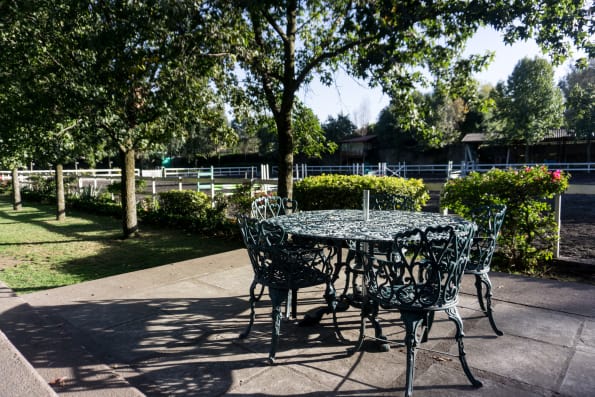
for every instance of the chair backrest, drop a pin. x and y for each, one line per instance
(278, 264)
(489, 220)
(389, 201)
(424, 270)
(271, 206)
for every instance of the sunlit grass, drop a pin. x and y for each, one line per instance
(37, 252)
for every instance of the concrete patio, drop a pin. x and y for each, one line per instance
(172, 330)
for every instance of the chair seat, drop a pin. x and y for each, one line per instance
(299, 277)
(409, 297)
(472, 268)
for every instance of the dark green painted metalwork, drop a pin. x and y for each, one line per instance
(489, 219)
(266, 207)
(282, 266)
(422, 275)
(353, 265)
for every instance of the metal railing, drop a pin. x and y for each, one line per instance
(265, 171)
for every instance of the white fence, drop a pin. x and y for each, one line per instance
(267, 172)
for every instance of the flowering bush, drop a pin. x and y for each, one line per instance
(529, 233)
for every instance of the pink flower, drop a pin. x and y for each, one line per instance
(556, 175)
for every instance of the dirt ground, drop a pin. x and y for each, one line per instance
(577, 233)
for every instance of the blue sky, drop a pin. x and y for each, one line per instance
(362, 104)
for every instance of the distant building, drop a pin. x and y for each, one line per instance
(357, 149)
(558, 145)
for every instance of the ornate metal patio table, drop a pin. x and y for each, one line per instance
(339, 226)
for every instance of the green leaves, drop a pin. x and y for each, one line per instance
(529, 230)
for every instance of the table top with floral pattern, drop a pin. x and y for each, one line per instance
(381, 226)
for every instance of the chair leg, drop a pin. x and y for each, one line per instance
(253, 299)
(330, 295)
(453, 315)
(485, 279)
(277, 298)
(412, 322)
(478, 287)
(291, 304)
(428, 321)
(369, 310)
(294, 295)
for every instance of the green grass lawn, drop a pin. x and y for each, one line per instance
(37, 252)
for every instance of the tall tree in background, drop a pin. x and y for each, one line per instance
(40, 39)
(391, 136)
(337, 129)
(530, 104)
(579, 90)
(282, 45)
(141, 75)
(310, 140)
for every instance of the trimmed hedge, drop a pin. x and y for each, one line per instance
(345, 191)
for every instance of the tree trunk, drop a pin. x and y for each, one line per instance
(129, 221)
(17, 203)
(60, 201)
(285, 181)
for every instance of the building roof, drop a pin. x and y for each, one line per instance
(364, 138)
(480, 137)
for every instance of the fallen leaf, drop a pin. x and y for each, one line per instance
(59, 381)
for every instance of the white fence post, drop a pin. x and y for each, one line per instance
(212, 187)
(180, 183)
(557, 215)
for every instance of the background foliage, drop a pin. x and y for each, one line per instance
(529, 232)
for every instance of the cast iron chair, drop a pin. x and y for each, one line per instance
(266, 207)
(489, 219)
(422, 276)
(271, 206)
(281, 267)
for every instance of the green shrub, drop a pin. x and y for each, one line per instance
(101, 204)
(345, 191)
(241, 199)
(529, 232)
(116, 187)
(189, 210)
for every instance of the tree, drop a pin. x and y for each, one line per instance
(580, 114)
(529, 105)
(337, 129)
(282, 45)
(390, 134)
(137, 73)
(444, 117)
(310, 140)
(579, 89)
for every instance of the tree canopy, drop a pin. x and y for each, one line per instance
(530, 104)
(336, 129)
(281, 45)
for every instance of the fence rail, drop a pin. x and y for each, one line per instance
(265, 171)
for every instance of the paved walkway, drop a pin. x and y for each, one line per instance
(172, 330)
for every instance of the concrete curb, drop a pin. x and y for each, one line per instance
(19, 378)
